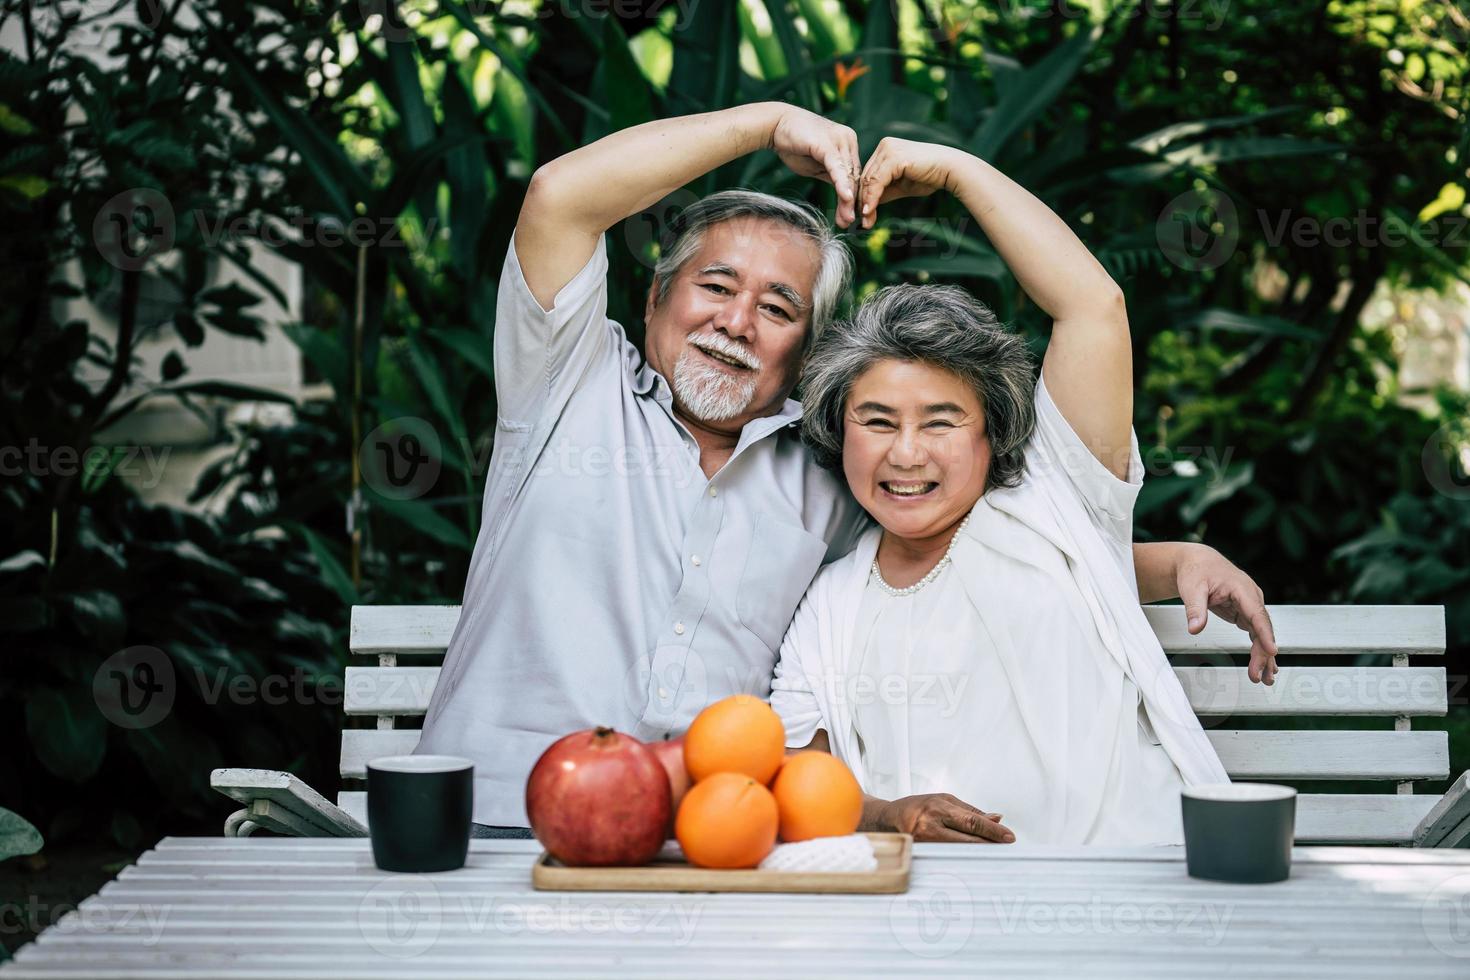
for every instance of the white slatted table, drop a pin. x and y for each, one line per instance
(317, 907)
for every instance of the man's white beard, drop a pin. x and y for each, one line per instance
(708, 393)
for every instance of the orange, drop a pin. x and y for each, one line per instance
(727, 820)
(737, 734)
(817, 796)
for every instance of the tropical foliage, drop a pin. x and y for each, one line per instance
(406, 134)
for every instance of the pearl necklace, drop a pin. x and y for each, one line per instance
(940, 566)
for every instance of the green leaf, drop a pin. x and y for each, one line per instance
(231, 297)
(13, 122)
(22, 561)
(324, 350)
(97, 614)
(67, 731)
(1159, 491)
(1219, 318)
(126, 831)
(629, 99)
(467, 168)
(767, 49)
(794, 52)
(426, 369)
(235, 323)
(706, 68)
(511, 62)
(420, 515)
(1033, 93)
(173, 366)
(1159, 139)
(189, 329)
(336, 176)
(333, 573)
(821, 28)
(17, 836)
(95, 475)
(407, 95)
(472, 345)
(870, 93)
(1216, 489)
(1212, 153)
(29, 186)
(228, 389)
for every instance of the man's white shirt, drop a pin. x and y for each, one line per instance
(611, 582)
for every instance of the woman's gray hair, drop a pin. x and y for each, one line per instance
(834, 272)
(942, 326)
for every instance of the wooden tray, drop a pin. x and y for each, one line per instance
(669, 872)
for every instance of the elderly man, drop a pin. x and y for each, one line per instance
(650, 518)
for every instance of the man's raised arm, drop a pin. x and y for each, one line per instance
(575, 198)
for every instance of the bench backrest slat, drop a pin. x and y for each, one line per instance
(1212, 691)
(1300, 630)
(1210, 668)
(1380, 755)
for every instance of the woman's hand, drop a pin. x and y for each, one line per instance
(904, 168)
(942, 817)
(1209, 583)
(816, 147)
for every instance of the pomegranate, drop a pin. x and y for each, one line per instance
(599, 797)
(671, 753)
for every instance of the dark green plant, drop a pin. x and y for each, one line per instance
(86, 570)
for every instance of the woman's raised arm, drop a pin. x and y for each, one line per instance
(1088, 365)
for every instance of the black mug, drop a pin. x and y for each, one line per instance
(419, 811)
(1240, 832)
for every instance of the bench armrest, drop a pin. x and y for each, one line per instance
(280, 802)
(1447, 824)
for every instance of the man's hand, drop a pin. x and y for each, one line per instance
(1209, 583)
(942, 817)
(816, 147)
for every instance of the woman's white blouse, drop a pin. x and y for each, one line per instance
(1013, 679)
(936, 713)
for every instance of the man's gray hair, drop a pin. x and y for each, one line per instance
(942, 326)
(834, 273)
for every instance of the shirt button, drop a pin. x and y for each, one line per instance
(713, 492)
(695, 560)
(663, 694)
(679, 628)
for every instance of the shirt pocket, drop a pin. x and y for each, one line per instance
(781, 563)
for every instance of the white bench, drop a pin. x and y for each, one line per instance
(1210, 666)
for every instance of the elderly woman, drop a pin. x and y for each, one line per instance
(981, 660)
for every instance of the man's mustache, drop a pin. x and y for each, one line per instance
(725, 347)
